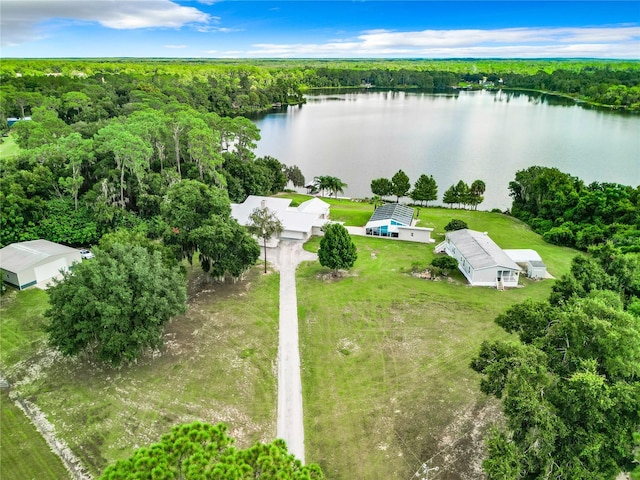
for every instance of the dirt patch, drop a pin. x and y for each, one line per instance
(461, 446)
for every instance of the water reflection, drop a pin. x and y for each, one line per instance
(358, 136)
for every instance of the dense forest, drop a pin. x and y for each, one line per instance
(565, 211)
(236, 87)
(107, 139)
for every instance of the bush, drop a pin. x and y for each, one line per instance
(455, 224)
(445, 263)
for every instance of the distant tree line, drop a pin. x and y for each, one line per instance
(565, 211)
(425, 189)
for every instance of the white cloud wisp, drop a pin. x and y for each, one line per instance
(594, 42)
(23, 20)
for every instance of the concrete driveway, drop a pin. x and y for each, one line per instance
(290, 424)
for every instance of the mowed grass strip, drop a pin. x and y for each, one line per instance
(23, 452)
(8, 147)
(386, 377)
(218, 365)
(21, 324)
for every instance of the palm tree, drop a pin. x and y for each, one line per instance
(336, 186)
(322, 182)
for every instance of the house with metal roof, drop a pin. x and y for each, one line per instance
(35, 262)
(299, 223)
(480, 259)
(387, 218)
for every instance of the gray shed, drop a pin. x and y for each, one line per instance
(536, 269)
(35, 262)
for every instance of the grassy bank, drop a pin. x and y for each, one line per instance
(386, 377)
(385, 357)
(385, 364)
(218, 364)
(25, 454)
(8, 147)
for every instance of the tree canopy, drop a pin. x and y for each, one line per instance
(401, 184)
(570, 387)
(425, 189)
(264, 224)
(115, 306)
(565, 211)
(337, 250)
(199, 451)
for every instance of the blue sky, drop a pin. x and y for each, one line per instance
(315, 29)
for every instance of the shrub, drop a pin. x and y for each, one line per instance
(455, 224)
(445, 263)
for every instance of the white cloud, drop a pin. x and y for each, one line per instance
(604, 42)
(24, 20)
(175, 46)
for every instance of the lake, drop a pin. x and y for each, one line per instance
(466, 136)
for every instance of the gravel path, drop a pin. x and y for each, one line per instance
(290, 426)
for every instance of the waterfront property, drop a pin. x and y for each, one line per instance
(35, 262)
(387, 218)
(480, 259)
(298, 223)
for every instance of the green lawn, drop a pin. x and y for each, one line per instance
(386, 377)
(385, 360)
(8, 147)
(21, 324)
(24, 454)
(347, 211)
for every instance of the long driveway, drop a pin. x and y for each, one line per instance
(290, 426)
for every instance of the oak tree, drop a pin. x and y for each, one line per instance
(115, 306)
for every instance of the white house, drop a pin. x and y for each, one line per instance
(480, 259)
(35, 262)
(299, 223)
(530, 261)
(387, 218)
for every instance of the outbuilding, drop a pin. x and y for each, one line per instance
(480, 259)
(530, 261)
(35, 262)
(387, 218)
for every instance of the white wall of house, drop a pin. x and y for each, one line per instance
(484, 277)
(415, 234)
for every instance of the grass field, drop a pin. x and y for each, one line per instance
(385, 360)
(218, 364)
(8, 147)
(24, 454)
(386, 376)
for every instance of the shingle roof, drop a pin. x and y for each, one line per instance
(479, 250)
(19, 256)
(393, 211)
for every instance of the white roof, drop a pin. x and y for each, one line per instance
(292, 219)
(315, 205)
(523, 255)
(479, 250)
(20, 256)
(241, 211)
